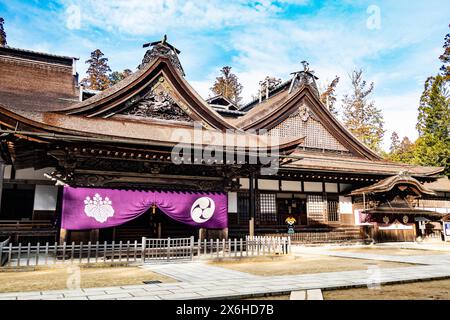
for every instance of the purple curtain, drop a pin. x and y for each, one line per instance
(88, 208)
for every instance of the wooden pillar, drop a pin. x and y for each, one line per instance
(94, 235)
(159, 229)
(63, 233)
(2, 173)
(251, 206)
(225, 233)
(58, 213)
(201, 234)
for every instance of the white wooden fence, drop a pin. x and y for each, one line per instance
(3, 258)
(145, 251)
(248, 247)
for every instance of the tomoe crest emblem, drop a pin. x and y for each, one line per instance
(98, 208)
(202, 209)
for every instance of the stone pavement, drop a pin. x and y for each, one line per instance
(193, 272)
(198, 280)
(436, 259)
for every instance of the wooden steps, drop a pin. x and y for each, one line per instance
(341, 234)
(133, 233)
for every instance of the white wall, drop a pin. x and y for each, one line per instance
(291, 186)
(232, 202)
(7, 172)
(331, 187)
(313, 186)
(45, 197)
(264, 184)
(31, 174)
(345, 205)
(244, 183)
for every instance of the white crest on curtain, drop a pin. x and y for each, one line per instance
(98, 208)
(202, 209)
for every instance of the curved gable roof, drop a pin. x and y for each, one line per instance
(388, 184)
(273, 111)
(113, 100)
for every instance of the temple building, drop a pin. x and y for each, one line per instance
(150, 157)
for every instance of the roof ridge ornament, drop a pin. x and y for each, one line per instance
(403, 173)
(305, 65)
(304, 77)
(164, 49)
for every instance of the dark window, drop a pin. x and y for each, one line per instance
(17, 202)
(316, 207)
(267, 207)
(243, 207)
(332, 208)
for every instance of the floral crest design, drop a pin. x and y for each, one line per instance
(98, 208)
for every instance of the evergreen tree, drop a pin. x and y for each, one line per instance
(401, 151)
(268, 82)
(395, 143)
(433, 144)
(445, 58)
(328, 96)
(360, 115)
(228, 85)
(118, 76)
(97, 73)
(3, 41)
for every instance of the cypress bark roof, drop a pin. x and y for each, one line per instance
(388, 184)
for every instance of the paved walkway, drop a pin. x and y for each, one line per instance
(193, 272)
(432, 259)
(197, 280)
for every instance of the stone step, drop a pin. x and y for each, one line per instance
(314, 294)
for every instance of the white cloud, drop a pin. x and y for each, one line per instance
(156, 16)
(400, 115)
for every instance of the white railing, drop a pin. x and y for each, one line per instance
(3, 257)
(145, 251)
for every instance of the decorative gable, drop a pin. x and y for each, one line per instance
(158, 102)
(304, 123)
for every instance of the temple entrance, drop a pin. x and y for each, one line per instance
(149, 225)
(292, 207)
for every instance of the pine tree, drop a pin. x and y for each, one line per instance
(268, 83)
(433, 144)
(401, 151)
(228, 85)
(328, 96)
(118, 76)
(445, 58)
(360, 115)
(97, 73)
(395, 143)
(3, 41)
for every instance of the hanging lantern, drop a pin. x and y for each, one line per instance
(153, 208)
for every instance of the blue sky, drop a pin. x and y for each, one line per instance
(396, 43)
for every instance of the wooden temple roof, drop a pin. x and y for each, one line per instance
(158, 74)
(442, 184)
(345, 164)
(273, 111)
(53, 126)
(389, 183)
(46, 109)
(389, 210)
